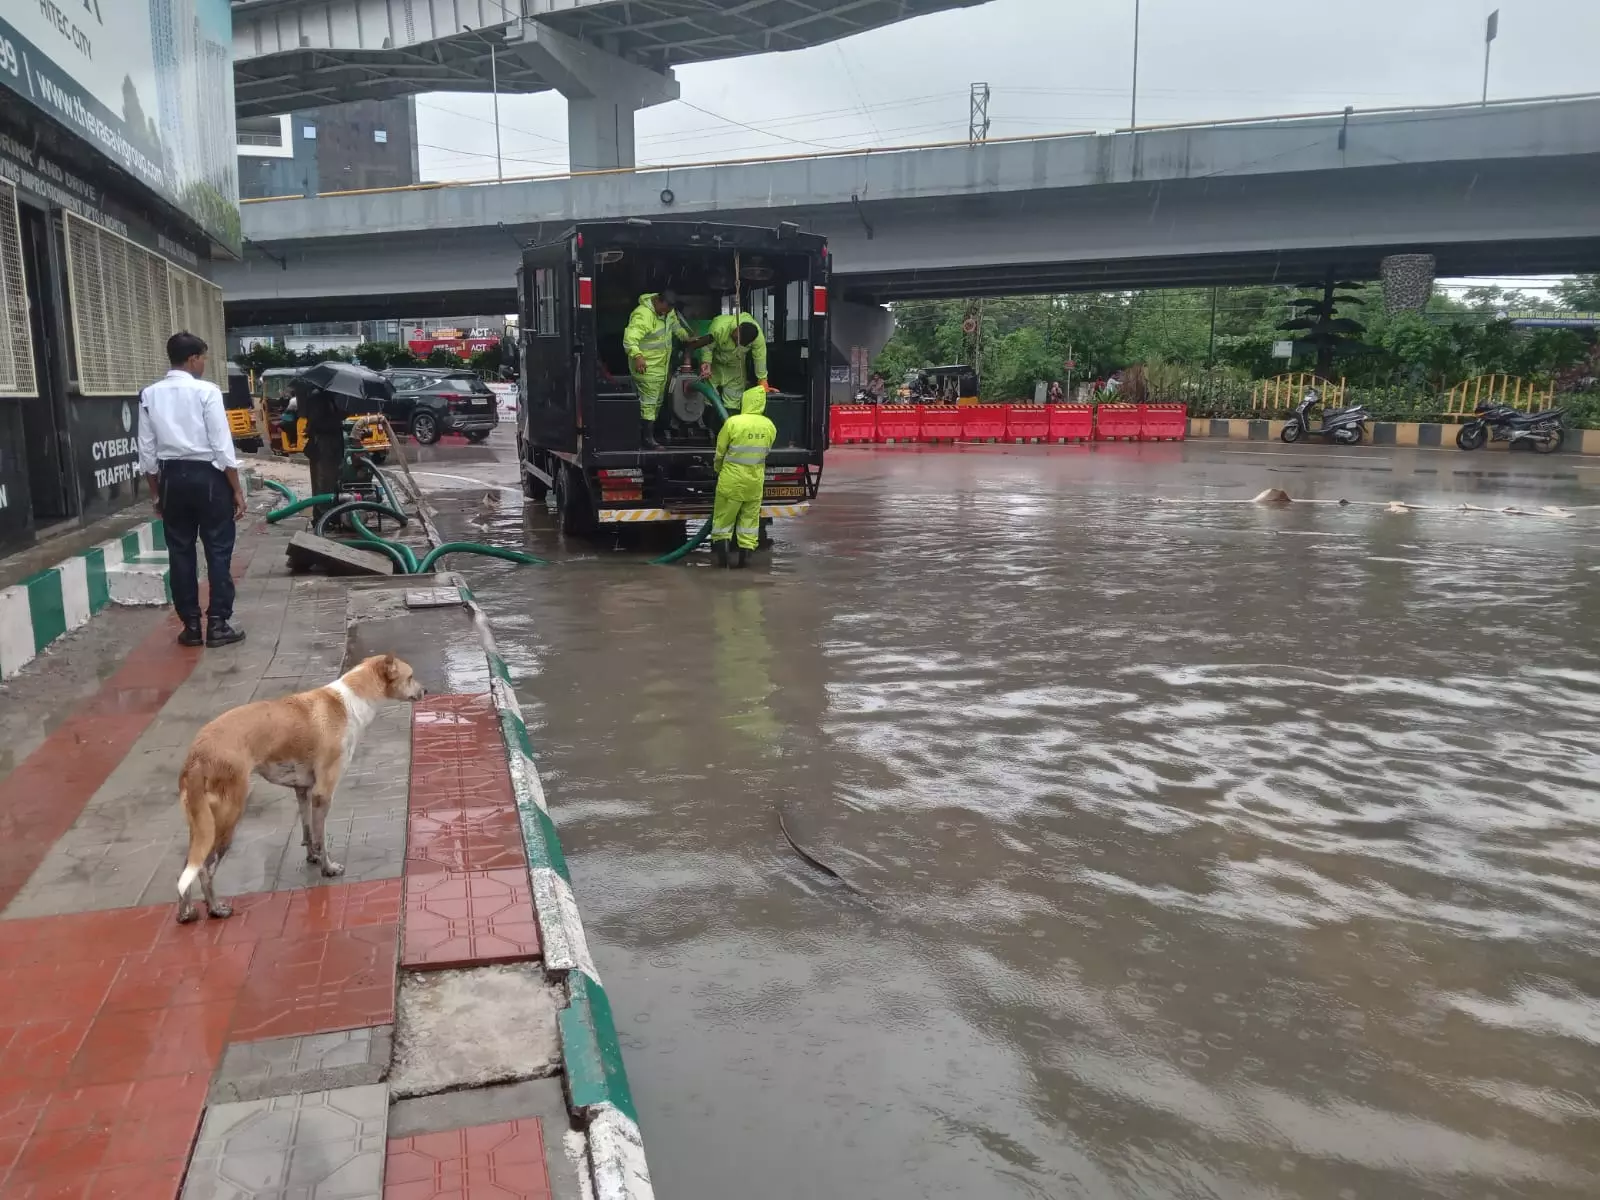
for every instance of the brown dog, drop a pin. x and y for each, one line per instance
(304, 742)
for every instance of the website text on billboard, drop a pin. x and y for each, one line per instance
(149, 83)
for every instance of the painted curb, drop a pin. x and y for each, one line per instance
(591, 1055)
(130, 569)
(1428, 435)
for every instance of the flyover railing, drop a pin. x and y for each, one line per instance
(1423, 110)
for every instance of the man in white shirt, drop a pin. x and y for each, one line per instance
(186, 452)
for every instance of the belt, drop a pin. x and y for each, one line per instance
(184, 464)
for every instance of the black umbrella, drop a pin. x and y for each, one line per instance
(354, 389)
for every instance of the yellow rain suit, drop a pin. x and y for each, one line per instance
(741, 465)
(727, 357)
(650, 337)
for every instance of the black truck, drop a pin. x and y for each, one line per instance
(578, 426)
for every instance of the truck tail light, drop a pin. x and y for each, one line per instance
(819, 301)
(585, 291)
(635, 475)
(781, 473)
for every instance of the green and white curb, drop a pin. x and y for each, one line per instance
(131, 569)
(591, 1055)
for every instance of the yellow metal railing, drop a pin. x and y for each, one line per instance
(1521, 394)
(1282, 392)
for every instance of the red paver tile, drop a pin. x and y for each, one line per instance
(461, 918)
(464, 839)
(504, 1161)
(73, 990)
(318, 983)
(35, 1057)
(457, 758)
(140, 1181)
(342, 906)
(177, 974)
(124, 1047)
(80, 937)
(257, 917)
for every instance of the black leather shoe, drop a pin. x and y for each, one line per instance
(719, 552)
(191, 635)
(220, 633)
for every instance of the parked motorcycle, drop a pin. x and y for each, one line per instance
(1346, 426)
(1543, 431)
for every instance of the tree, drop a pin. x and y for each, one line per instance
(1321, 327)
(1581, 293)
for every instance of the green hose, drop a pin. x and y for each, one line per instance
(673, 556)
(350, 506)
(710, 393)
(288, 510)
(515, 556)
(286, 492)
(404, 553)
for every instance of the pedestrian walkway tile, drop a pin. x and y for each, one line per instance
(457, 758)
(467, 918)
(317, 983)
(279, 1066)
(465, 839)
(326, 1145)
(504, 1161)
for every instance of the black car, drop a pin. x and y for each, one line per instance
(432, 401)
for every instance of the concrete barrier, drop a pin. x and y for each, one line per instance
(130, 570)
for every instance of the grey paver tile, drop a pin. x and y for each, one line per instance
(282, 1066)
(326, 1145)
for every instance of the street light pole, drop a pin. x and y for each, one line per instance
(1133, 110)
(1491, 29)
(494, 87)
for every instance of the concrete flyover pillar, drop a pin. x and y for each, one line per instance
(603, 91)
(859, 332)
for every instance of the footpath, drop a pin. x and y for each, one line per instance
(428, 1024)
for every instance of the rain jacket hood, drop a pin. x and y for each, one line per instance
(754, 403)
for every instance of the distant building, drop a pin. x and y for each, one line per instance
(367, 144)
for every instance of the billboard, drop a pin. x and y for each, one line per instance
(148, 83)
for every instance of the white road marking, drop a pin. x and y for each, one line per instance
(1308, 457)
(468, 479)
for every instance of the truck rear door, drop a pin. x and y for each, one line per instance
(549, 406)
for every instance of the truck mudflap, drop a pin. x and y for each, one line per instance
(629, 516)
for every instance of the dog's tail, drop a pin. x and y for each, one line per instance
(202, 837)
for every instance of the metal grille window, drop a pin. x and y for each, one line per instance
(16, 335)
(197, 307)
(545, 322)
(126, 302)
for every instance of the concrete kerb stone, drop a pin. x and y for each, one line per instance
(591, 1054)
(131, 570)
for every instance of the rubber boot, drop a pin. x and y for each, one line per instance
(647, 435)
(220, 633)
(719, 552)
(743, 559)
(191, 635)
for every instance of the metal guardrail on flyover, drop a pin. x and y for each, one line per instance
(863, 151)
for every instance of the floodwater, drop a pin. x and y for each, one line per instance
(1186, 848)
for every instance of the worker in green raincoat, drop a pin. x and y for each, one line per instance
(734, 340)
(741, 465)
(648, 343)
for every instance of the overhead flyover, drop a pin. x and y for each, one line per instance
(1499, 190)
(608, 57)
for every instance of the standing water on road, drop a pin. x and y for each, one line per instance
(1178, 849)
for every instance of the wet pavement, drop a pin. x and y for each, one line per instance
(1180, 847)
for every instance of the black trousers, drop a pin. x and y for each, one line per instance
(196, 501)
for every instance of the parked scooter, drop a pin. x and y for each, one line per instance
(1346, 426)
(1543, 431)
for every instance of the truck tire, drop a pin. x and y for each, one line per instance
(574, 507)
(533, 487)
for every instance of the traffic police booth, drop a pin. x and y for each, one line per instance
(118, 186)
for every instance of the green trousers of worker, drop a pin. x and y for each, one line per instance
(733, 516)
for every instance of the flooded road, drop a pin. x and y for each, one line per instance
(1181, 847)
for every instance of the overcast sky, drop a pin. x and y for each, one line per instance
(1057, 66)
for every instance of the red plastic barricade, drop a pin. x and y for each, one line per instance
(899, 423)
(1113, 422)
(984, 422)
(851, 423)
(1028, 423)
(938, 422)
(1163, 422)
(1071, 422)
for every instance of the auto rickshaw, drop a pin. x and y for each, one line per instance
(289, 436)
(243, 419)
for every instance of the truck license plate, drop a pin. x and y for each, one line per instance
(785, 493)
